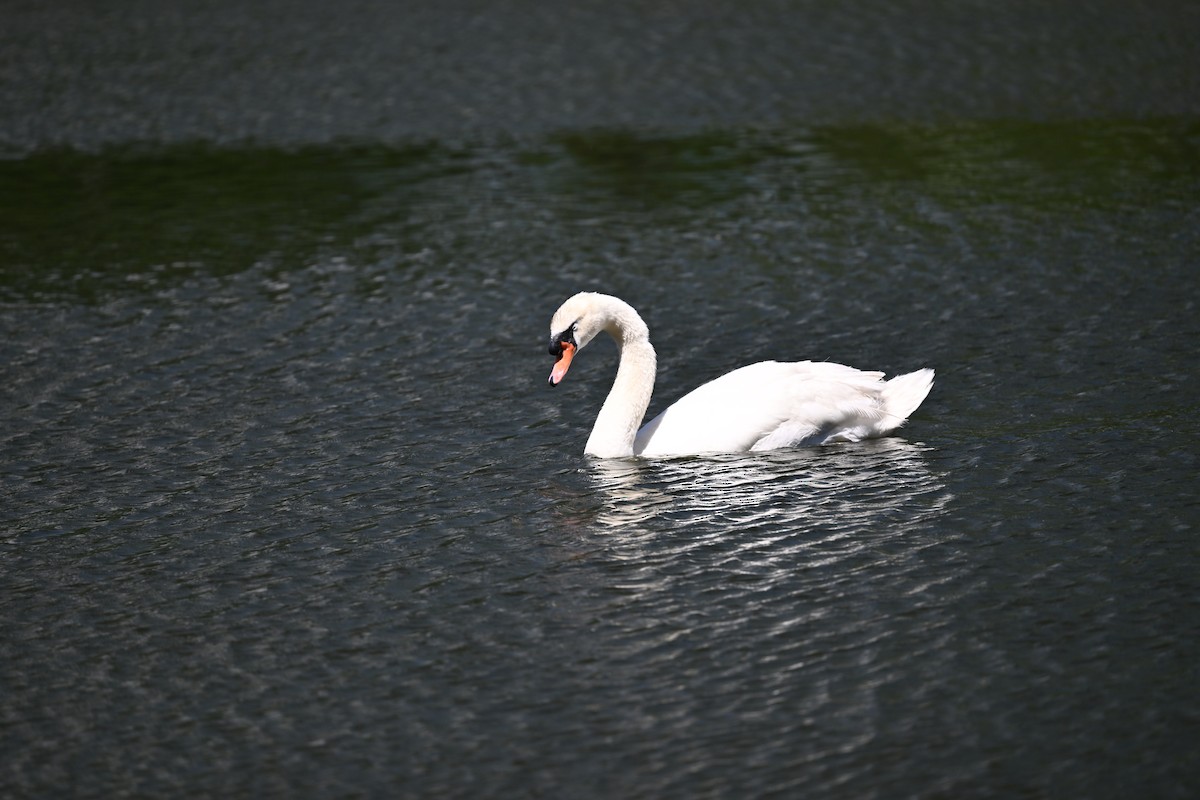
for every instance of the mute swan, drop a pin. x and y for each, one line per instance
(758, 407)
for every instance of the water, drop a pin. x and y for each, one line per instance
(288, 509)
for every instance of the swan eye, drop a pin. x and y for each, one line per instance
(564, 340)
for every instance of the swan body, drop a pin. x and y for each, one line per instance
(762, 406)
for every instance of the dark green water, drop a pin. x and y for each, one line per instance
(287, 508)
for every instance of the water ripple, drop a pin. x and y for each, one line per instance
(294, 512)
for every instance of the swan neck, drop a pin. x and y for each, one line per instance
(621, 416)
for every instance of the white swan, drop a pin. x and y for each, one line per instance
(759, 407)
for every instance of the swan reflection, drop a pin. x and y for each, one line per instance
(837, 487)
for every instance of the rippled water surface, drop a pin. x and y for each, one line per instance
(288, 509)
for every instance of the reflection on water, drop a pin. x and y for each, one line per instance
(800, 491)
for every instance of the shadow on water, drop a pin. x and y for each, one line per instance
(90, 225)
(648, 171)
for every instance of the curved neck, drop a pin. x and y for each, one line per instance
(618, 421)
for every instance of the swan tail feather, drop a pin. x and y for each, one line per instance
(903, 394)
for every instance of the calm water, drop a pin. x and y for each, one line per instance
(287, 508)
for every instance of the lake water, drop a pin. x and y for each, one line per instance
(288, 509)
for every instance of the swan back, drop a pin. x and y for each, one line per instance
(770, 404)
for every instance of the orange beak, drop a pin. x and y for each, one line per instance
(563, 364)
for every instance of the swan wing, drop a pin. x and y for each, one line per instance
(774, 404)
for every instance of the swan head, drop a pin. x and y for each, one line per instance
(580, 319)
(571, 328)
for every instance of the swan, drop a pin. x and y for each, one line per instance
(762, 406)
